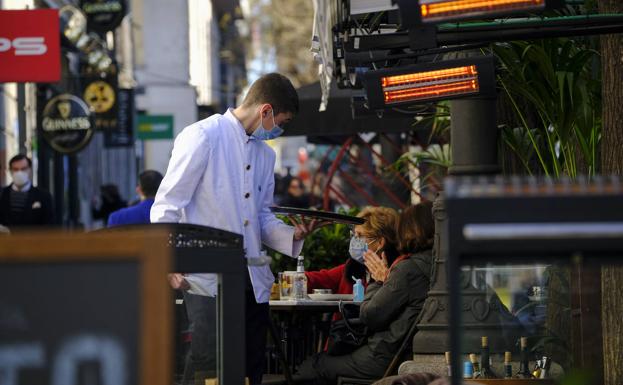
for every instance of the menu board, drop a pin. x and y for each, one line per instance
(85, 309)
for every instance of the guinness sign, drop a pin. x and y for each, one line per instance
(103, 15)
(66, 123)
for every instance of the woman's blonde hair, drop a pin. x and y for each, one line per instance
(381, 222)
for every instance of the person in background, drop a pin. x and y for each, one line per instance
(21, 203)
(148, 183)
(110, 201)
(295, 195)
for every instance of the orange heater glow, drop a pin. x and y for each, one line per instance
(438, 10)
(430, 84)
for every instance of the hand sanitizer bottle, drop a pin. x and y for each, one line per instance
(358, 291)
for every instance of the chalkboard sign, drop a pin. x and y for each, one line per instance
(85, 309)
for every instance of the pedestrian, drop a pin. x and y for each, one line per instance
(296, 195)
(148, 183)
(221, 174)
(21, 203)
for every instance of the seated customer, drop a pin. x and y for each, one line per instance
(393, 300)
(148, 183)
(379, 221)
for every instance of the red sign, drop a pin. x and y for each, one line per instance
(30, 49)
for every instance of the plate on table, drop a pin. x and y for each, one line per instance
(331, 297)
(322, 215)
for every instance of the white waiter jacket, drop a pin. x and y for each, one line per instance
(219, 176)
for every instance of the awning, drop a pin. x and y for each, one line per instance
(337, 119)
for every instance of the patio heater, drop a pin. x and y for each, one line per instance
(440, 11)
(468, 82)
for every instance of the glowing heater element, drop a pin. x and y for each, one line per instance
(438, 10)
(430, 84)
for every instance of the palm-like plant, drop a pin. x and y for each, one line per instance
(555, 78)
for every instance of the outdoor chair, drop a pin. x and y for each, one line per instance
(392, 368)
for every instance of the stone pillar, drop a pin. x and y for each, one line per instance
(474, 152)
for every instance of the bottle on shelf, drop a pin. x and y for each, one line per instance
(524, 364)
(300, 280)
(474, 361)
(546, 362)
(448, 364)
(508, 366)
(536, 373)
(468, 370)
(485, 360)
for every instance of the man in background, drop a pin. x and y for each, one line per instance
(148, 183)
(21, 203)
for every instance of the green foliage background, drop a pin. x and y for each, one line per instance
(324, 248)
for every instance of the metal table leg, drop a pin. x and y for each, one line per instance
(279, 348)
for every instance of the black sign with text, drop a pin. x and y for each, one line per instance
(66, 323)
(103, 15)
(122, 135)
(66, 123)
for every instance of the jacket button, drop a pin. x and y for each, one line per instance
(246, 222)
(247, 195)
(248, 166)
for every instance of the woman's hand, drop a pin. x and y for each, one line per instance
(377, 266)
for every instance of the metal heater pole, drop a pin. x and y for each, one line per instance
(474, 137)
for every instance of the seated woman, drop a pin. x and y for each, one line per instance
(392, 302)
(339, 279)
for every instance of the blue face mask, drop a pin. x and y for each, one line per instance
(358, 246)
(262, 134)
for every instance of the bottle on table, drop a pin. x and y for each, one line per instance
(508, 366)
(524, 364)
(474, 360)
(300, 280)
(485, 360)
(358, 291)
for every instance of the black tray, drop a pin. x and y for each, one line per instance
(322, 215)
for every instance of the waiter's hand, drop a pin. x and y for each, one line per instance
(177, 281)
(303, 227)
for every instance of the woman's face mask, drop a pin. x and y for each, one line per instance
(358, 246)
(262, 134)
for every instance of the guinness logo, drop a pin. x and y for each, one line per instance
(66, 123)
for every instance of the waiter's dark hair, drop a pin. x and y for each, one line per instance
(149, 181)
(276, 90)
(19, 157)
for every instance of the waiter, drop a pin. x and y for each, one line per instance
(221, 174)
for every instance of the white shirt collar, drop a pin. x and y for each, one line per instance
(26, 187)
(229, 115)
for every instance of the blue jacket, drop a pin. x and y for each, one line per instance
(132, 215)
